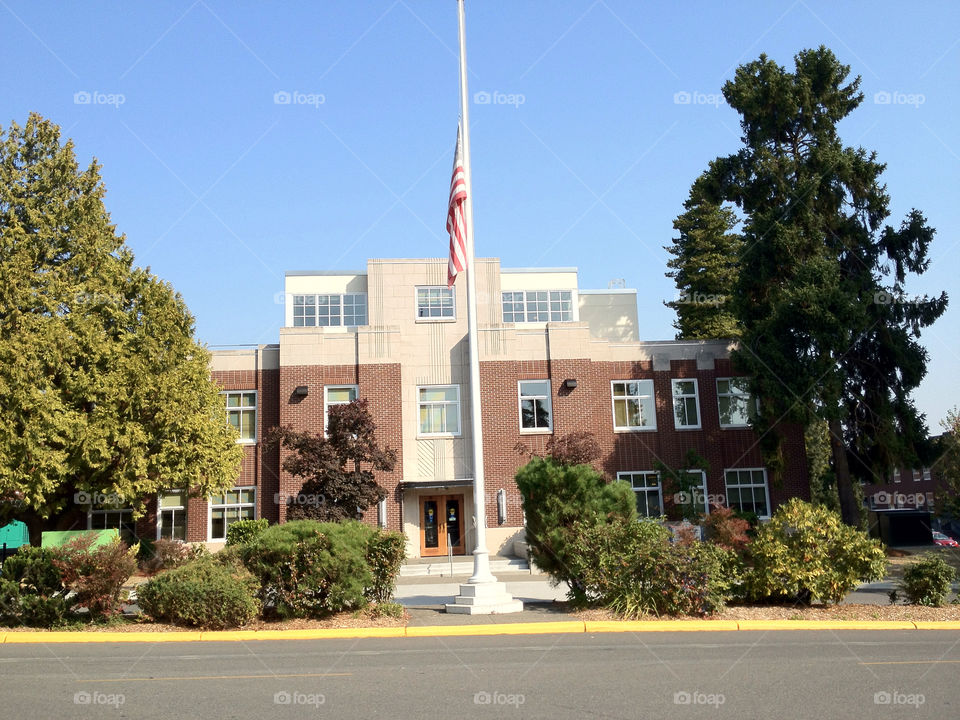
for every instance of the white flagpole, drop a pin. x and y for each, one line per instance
(481, 556)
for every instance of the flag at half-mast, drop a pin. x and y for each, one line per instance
(456, 217)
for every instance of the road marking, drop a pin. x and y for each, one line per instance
(217, 677)
(911, 662)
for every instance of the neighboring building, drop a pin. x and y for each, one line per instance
(553, 359)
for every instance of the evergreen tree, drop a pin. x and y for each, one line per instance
(704, 267)
(102, 387)
(820, 297)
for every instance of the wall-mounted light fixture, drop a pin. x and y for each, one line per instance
(501, 506)
(301, 391)
(570, 383)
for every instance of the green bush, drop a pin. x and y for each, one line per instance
(31, 589)
(927, 581)
(558, 497)
(807, 554)
(310, 569)
(386, 552)
(95, 575)
(203, 593)
(243, 531)
(634, 569)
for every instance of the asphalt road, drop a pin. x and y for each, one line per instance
(796, 674)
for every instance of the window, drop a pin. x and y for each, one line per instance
(734, 402)
(633, 405)
(537, 306)
(172, 516)
(535, 405)
(242, 414)
(439, 409)
(695, 494)
(926, 475)
(226, 509)
(337, 395)
(646, 487)
(435, 303)
(896, 475)
(686, 405)
(348, 309)
(747, 491)
(109, 518)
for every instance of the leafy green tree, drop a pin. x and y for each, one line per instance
(948, 465)
(827, 330)
(338, 468)
(704, 267)
(103, 388)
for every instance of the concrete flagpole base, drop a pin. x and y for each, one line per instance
(488, 598)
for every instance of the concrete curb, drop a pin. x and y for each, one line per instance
(531, 628)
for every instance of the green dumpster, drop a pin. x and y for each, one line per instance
(62, 537)
(12, 536)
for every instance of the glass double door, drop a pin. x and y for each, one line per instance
(441, 525)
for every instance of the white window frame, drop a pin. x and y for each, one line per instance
(684, 398)
(445, 404)
(639, 397)
(242, 409)
(327, 404)
(746, 395)
(443, 291)
(547, 399)
(752, 485)
(927, 475)
(173, 508)
(530, 302)
(629, 476)
(896, 475)
(343, 299)
(702, 488)
(211, 507)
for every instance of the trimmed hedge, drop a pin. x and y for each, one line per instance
(243, 531)
(31, 589)
(927, 581)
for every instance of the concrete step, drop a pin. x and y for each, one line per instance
(462, 565)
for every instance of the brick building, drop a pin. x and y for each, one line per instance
(553, 359)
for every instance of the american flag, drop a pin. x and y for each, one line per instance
(456, 219)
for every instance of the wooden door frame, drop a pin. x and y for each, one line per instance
(441, 500)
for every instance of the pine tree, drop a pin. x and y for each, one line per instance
(102, 387)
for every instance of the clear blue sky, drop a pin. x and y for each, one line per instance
(220, 189)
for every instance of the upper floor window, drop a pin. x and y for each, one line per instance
(347, 309)
(633, 405)
(439, 409)
(537, 306)
(686, 404)
(435, 303)
(734, 402)
(337, 395)
(646, 487)
(242, 413)
(535, 405)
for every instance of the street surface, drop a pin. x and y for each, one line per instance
(796, 674)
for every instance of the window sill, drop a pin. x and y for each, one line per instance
(436, 320)
(735, 427)
(634, 430)
(439, 436)
(681, 428)
(536, 431)
(246, 442)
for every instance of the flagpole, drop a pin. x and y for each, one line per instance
(481, 556)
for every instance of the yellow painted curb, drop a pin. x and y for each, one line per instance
(99, 637)
(938, 625)
(826, 625)
(530, 628)
(316, 634)
(660, 625)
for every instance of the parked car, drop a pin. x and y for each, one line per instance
(940, 539)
